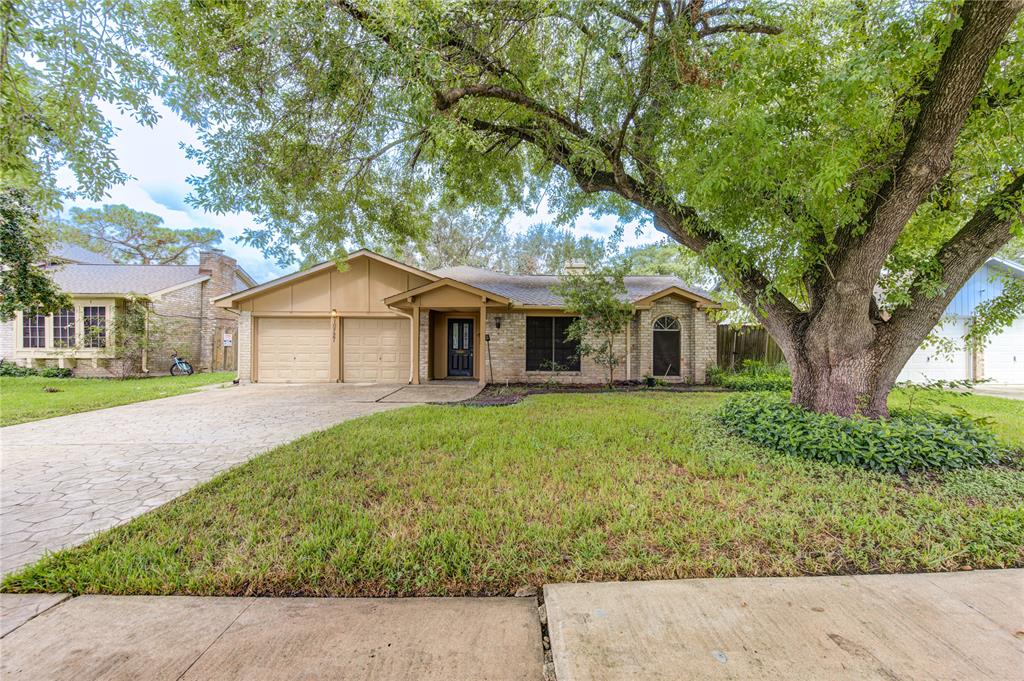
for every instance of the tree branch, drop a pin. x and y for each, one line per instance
(764, 29)
(929, 149)
(965, 252)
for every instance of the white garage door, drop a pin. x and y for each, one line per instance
(1004, 355)
(932, 364)
(294, 350)
(376, 351)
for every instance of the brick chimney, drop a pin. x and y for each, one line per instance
(215, 321)
(576, 267)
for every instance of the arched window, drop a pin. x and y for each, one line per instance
(667, 358)
(666, 323)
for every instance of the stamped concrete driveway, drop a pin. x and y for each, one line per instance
(64, 479)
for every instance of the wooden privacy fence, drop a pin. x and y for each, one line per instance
(749, 341)
(225, 349)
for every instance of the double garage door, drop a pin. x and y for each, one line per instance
(294, 350)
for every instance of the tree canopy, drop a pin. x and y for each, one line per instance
(831, 160)
(844, 167)
(24, 285)
(60, 62)
(132, 236)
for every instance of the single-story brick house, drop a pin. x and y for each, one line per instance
(78, 337)
(381, 321)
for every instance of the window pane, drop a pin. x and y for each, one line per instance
(64, 328)
(33, 331)
(538, 343)
(566, 352)
(95, 322)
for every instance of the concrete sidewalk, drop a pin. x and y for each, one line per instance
(966, 625)
(963, 625)
(255, 639)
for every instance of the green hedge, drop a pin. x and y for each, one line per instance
(907, 441)
(8, 369)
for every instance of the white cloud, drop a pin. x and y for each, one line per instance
(155, 159)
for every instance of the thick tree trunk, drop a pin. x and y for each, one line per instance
(842, 386)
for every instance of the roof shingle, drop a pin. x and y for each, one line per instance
(121, 279)
(535, 289)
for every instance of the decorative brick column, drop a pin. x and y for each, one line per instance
(245, 347)
(424, 345)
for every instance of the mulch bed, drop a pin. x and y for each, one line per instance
(503, 394)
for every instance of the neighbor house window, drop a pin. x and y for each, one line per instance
(64, 328)
(33, 331)
(547, 348)
(95, 326)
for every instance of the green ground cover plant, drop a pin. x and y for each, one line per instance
(30, 398)
(909, 440)
(457, 500)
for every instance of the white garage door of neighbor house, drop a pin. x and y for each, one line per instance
(294, 350)
(932, 364)
(1004, 355)
(375, 351)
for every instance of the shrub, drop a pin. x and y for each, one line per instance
(55, 372)
(9, 369)
(907, 441)
(753, 376)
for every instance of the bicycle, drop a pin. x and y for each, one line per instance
(180, 366)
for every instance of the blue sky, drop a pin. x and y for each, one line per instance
(157, 163)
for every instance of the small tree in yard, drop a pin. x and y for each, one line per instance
(598, 297)
(136, 331)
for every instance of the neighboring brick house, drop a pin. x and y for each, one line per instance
(381, 321)
(180, 301)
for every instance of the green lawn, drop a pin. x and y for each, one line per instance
(452, 500)
(1006, 417)
(24, 399)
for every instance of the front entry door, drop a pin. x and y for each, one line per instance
(460, 347)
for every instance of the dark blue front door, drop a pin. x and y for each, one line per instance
(460, 347)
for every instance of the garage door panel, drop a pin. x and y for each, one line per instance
(376, 350)
(932, 364)
(294, 350)
(1004, 355)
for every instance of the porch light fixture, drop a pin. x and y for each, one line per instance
(497, 322)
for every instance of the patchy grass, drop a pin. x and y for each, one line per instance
(31, 398)
(455, 500)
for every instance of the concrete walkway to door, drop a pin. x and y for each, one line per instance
(66, 478)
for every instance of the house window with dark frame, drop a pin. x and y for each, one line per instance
(547, 348)
(33, 331)
(95, 326)
(64, 328)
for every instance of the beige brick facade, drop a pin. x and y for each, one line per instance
(175, 325)
(505, 354)
(244, 341)
(183, 319)
(424, 349)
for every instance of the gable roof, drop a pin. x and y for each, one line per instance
(536, 289)
(227, 300)
(1010, 266)
(123, 279)
(447, 281)
(73, 253)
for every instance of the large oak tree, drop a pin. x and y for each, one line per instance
(844, 166)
